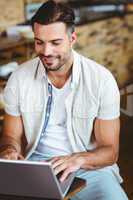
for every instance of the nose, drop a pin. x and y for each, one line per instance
(47, 49)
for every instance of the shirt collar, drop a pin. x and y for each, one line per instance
(76, 68)
(40, 70)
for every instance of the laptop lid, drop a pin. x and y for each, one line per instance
(31, 179)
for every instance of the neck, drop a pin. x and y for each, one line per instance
(59, 78)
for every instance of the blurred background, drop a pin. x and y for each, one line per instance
(105, 34)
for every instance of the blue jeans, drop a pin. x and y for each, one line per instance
(100, 185)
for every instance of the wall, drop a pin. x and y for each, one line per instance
(109, 42)
(11, 12)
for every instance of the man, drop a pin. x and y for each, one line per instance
(66, 106)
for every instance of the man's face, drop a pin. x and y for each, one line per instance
(53, 44)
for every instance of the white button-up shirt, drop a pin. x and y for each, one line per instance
(94, 94)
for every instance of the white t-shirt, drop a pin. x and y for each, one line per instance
(55, 140)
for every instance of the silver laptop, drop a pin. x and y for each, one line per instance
(31, 179)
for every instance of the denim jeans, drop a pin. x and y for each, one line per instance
(100, 185)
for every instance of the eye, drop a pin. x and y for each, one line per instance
(38, 42)
(56, 43)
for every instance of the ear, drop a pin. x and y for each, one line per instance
(73, 38)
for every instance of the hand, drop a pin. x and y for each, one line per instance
(11, 154)
(67, 164)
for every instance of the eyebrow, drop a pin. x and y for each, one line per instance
(55, 40)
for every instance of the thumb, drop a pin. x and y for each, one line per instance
(20, 157)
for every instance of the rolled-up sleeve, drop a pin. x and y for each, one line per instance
(11, 96)
(109, 99)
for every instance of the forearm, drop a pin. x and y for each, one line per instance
(98, 158)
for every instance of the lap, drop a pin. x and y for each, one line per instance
(100, 185)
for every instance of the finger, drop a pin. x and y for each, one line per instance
(65, 174)
(9, 154)
(20, 157)
(57, 163)
(59, 160)
(13, 156)
(60, 168)
(4, 156)
(52, 160)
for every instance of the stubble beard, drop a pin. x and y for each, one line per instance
(56, 68)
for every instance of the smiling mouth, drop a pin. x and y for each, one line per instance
(49, 60)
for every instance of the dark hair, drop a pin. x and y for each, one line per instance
(52, 11)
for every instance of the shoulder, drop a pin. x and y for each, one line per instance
(94, 72)
(24, 75)
(26, 69)
(96, 77)
(95, 69)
